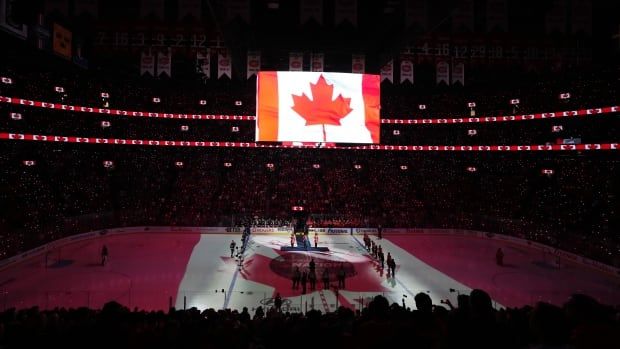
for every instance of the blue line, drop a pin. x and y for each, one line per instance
(234, 280)
(398, 281)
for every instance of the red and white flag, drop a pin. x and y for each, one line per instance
(458, 73)
(253, 63)
(317, 62)
(387, 71)
(164, 63)
(406, 70)
(147, 63)
(358, 64)
(203, 63)
(443, 72)
(296, 61)
(317, 107)
(224, 65)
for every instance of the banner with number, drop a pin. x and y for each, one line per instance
(406, 70)
(458, 73)
(224, 64)
(253, 64)
(311, 9)
(203, 63)
(317, 62)
(387, 71)
(345, 11)
(296, 61)
(443, 73)
(358, 64)
(147, 63)
(164, 63)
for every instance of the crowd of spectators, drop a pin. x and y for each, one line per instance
(72, 188)
(473, 323)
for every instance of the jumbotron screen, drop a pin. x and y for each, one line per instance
(317, 107)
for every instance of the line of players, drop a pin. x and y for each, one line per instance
(308, 275)
(376, 252)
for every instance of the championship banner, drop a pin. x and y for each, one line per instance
(87, 7)
(443, 72)
(224, 65)
(581, 19)
(253, 63)
(497, 15)
(345, 10)
(555, 20)
(147, 64)
(317, 107)
(190, 8)
(203, 62)
(60, 6)
(311, 9)
(458, 73)
(406, 70)
(358, 64)
(62, 41)
(164, 63)
(387, 71)
(296, 61)
(463, 18)
(317, 62)
(154, 8)
(237, 8)
(416, 14)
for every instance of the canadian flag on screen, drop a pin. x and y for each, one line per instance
(317, 107)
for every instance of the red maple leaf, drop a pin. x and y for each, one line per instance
(322, 109)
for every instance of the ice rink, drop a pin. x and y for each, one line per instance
(155, 270)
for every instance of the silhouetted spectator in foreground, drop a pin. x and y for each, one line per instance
(277, 302)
